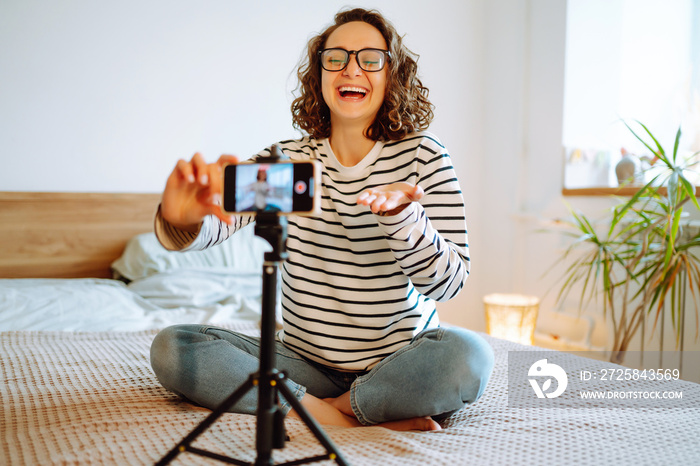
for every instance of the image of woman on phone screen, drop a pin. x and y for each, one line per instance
(361, 341)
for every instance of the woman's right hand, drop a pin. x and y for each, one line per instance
(193, 191)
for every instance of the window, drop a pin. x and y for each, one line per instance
(631, 59)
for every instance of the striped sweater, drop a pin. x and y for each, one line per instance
(356, 286)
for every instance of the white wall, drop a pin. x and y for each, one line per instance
(521, 156)
(106, 96)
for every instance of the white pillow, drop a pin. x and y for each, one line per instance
(144, 256)
(197, 288)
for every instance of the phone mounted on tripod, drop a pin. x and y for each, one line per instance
(270, 383)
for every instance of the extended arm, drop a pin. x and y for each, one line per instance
(190, 215)
(428, 239)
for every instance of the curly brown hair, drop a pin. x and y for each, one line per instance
(405, 108)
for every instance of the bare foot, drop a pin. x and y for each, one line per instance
(337, 412)
(424, 424)
(325, 413)
(342, 404)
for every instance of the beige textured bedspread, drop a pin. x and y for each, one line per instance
(91, 398)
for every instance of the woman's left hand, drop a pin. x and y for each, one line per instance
(390, 199)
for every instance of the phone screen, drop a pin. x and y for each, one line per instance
(283, 187)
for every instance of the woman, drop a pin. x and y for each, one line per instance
(361, 342)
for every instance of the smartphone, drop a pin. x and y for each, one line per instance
(287, 187)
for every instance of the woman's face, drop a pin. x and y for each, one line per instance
(354, 96)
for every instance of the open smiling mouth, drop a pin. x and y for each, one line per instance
(352, 92)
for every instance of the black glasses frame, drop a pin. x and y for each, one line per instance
(387, 58)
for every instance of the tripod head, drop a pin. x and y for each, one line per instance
(273, 228)
(269, 225)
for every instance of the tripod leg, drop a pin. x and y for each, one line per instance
(280, 433)
(265, 422)
(270, 428)
(209, 420)
(314, 427)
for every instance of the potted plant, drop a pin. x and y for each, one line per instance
(638, 259)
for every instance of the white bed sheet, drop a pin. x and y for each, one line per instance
(99, 305)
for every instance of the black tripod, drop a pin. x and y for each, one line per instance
(269, 381)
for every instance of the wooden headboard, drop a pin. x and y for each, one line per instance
(69, 235)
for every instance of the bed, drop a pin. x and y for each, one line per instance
(84, 288)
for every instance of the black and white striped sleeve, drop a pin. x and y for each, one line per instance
(211, 232)
(429, 239)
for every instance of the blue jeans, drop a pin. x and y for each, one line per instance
(438, 373)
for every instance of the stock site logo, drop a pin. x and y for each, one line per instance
(541, 369)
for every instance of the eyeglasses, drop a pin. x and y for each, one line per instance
(368, 59)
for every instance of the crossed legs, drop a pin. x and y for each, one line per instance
(438, 373)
